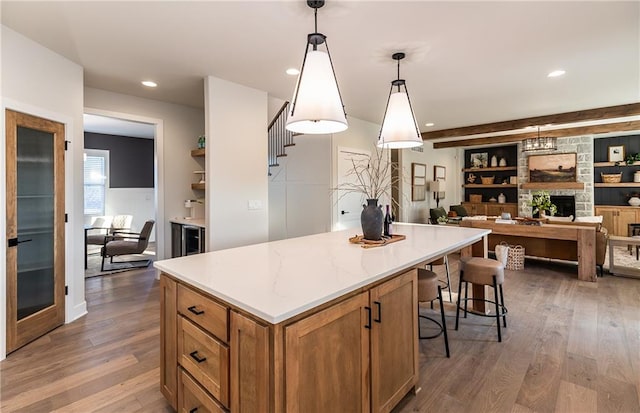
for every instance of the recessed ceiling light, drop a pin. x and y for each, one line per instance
(149, 83)
(293, 71)
(556, 73)
(429, 124)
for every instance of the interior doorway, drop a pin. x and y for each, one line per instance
(120, 185)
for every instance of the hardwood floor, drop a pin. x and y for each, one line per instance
(570, 346)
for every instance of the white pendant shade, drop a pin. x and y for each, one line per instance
(399, 129)
(316, 106)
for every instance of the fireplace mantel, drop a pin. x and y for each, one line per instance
(553, 185)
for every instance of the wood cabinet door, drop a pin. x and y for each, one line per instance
(327, 359)
(168, 339)
(35, 194)
(608, 218)
(394, 340)
(249, 365)
(625, 217)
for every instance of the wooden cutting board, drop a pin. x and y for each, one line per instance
(365, 243)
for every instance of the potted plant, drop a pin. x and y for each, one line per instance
(541, 204)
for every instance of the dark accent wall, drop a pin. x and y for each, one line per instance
(614, 196)
(130, 159)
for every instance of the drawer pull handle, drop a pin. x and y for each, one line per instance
(368, 310)
(194, 311)
(379, 319)
(194, 410)
(194, 355)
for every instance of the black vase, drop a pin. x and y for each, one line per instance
(371, 219)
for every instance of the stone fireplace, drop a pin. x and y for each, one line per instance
(583, 147)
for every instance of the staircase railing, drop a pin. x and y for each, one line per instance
(279, 137)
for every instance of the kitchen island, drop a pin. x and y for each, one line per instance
(299, 325)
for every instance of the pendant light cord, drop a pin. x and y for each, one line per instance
(398, 74)
(315, 18)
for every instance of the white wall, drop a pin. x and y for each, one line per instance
(137, 202)
(360, 135)
(236, 164)
(40, 82)
(299, 189)
(418, 211)
(181, 127)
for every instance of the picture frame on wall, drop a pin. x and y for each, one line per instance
(418, 181)
(553, 168)
(616, 153)
(479, 160)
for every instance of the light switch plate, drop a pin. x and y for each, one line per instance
(254, 204)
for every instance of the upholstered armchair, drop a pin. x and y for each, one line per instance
(127, 243)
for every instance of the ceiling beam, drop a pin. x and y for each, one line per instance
(609, 112)
(558, 133)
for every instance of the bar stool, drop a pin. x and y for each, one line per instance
(429, 290)
(443, 261)
(483, 271)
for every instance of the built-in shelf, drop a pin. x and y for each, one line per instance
(489, 186)
(553, 185)
(617, 185)
(605, 164)
(491, 169)
(198, 185)
(197, 152)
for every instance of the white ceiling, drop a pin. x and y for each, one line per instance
(467, 62)
(120, 127)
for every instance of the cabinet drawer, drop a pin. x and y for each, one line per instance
(204, 311)
(192, 397)
(205, 358)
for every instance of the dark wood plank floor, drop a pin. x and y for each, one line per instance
(570, 346)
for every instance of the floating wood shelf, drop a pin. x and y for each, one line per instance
(553, 185)
(604, 164)
(198, 185)
(491, 169)
(489, 186)
(617, 185)
(197, 152)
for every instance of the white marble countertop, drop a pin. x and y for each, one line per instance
(277, 280)
(196, 222)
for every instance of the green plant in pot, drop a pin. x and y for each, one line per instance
(541, 204)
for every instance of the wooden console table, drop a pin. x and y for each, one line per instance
(563, 242)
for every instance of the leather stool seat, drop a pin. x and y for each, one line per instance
(483, 271)
(428, 291)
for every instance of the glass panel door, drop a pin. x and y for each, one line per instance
(35, 227)
(35, 202)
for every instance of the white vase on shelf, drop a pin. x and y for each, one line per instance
(634, 201)
(494, 161)
(503, 162)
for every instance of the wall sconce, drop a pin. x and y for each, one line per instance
(437, 187)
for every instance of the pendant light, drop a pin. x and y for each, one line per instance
(539, 143)
(399, 127)
(316, 106)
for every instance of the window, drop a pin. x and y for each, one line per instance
(96, 171)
